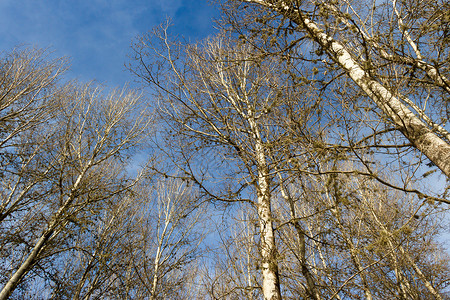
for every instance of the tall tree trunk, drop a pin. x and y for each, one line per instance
(157, 260)
(269, 266)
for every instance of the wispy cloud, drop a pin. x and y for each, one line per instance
(96, 34)
(169, 6)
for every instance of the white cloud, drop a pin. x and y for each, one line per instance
(96, 34)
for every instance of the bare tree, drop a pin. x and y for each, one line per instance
(92, 135)
(222, 101)
(244, 123)
(169, 239)
(393, 51)
(27, 83)
(142, 245)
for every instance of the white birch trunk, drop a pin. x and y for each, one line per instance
(26, 265)
(269, 266)
(271, 284)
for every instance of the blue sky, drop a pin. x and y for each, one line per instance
(96, 34)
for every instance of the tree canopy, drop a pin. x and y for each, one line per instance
(287, 156)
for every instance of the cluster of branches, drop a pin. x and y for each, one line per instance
(76, 220)
(321, 121)
(311, 125)
(393, 54)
